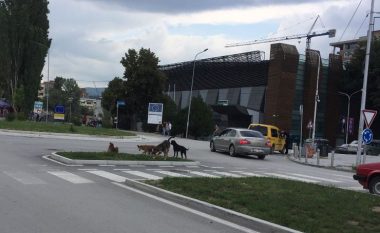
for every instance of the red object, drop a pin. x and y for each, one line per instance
(368, 175)
(244, 142)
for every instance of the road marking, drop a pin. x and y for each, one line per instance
(316, 178)
(166, 166)
(249, 174)
(204, 215)
(291, 177)
(143, 174)
(227, 174)
(87, 169)
(75, 179)
(204, 174)
(216, 167)
(24, 178)
(108, 175)
(106, 165)
(168, 173)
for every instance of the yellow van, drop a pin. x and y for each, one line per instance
(272, 133)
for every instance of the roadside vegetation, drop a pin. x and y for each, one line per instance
(115, 156)
(61, 128)
(301, 206)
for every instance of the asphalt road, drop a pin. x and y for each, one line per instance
(38, 195)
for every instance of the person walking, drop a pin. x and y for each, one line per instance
(168, 128)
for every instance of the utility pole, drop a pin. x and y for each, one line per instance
(364, 89)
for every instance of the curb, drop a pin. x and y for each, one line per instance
(213, 210)
(65, 160)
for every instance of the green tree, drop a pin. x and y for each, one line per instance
(115, 91)
(24, 45)
(144, 83)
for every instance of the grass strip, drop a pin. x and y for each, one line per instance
(298, 205)
(116, 156)
(58, 127)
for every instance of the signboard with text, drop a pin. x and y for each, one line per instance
(155, 111)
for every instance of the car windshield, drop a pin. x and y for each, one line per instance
(250, 133)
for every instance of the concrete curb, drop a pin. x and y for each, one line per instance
(65, 160)
(216, 211)
(71, 136)
(320, 166)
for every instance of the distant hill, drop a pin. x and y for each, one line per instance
(94, 92)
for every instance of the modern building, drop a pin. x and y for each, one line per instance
(244, 88)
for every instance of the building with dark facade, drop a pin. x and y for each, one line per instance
(245, 88)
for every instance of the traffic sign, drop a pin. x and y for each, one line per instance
(369, 116)
(367, 136)
(60, 109)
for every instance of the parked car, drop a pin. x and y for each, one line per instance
(368, 175)
(237, 141)
(348, 148)
(272, 133)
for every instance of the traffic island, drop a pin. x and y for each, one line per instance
(107, 158)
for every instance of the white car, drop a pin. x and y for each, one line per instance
(348, 148)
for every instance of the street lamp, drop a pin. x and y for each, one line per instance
(316, 100)
(70, 99)
(348, 108)
(191, 91)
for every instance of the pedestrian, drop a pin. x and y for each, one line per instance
(168, 128)
(287, 142)
(216, 131)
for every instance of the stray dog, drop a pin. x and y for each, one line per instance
(147, 149)
(163, 147)
(112, 148)
(178, 148)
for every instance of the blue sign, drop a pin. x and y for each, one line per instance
(120, 103)
(155, 107)
(59, 109)
(367, 136)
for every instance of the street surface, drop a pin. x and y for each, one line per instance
(39, 195)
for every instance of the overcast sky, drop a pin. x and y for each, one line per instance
(91, 36)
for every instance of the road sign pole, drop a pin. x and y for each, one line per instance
(117, 114)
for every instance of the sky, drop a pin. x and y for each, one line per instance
(89, 37)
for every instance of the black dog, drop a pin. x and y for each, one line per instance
(178, 148)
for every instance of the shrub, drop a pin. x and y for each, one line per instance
(10, 116)
(21, 116)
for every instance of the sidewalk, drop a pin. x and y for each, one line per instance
(342, 162)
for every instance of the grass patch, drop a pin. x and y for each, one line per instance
(61, 128)
(116, 156)
(301, 206)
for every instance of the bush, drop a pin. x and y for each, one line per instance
(76, 120)
(21, 116)
(10, 116)
(72, 129)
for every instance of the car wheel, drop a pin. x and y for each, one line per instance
(232, 151)
(261, 156)
(374, 185)
(212, 147)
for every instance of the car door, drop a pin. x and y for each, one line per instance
(218, 140)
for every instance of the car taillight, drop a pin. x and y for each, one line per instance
(268, 144)
(244, 142)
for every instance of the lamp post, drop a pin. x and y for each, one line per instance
(348, 108)
(70, 99)
(316, 100)
(47, 88)
(191, 91)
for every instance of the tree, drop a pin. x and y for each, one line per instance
(144, 82)
(24, 44)
(115, 91)
(200, 122)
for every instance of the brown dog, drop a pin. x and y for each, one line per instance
(147, 149)
(163, 147)
(112, 148)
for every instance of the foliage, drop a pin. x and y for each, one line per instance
(10, 116)
(106, 119)
(24, 44)
(65, 92)
(21, 116)
(115, 91)
(144, 82)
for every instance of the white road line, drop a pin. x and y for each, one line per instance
(165, 166)
(204, 174)
(249, 174)
(106, 165)
(24, 178)
(174, 174)
(87, 169)
(316, 178)
(227, 174)
(291, 177)
(143, 174)
(75, 179)
(64, 164)
(108, 175)
(204, 215)
(216, 167)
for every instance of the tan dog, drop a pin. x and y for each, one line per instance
(147, 149)
(112, 148)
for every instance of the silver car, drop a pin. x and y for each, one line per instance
(241, 141)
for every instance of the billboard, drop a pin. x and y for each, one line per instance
(155, 111)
